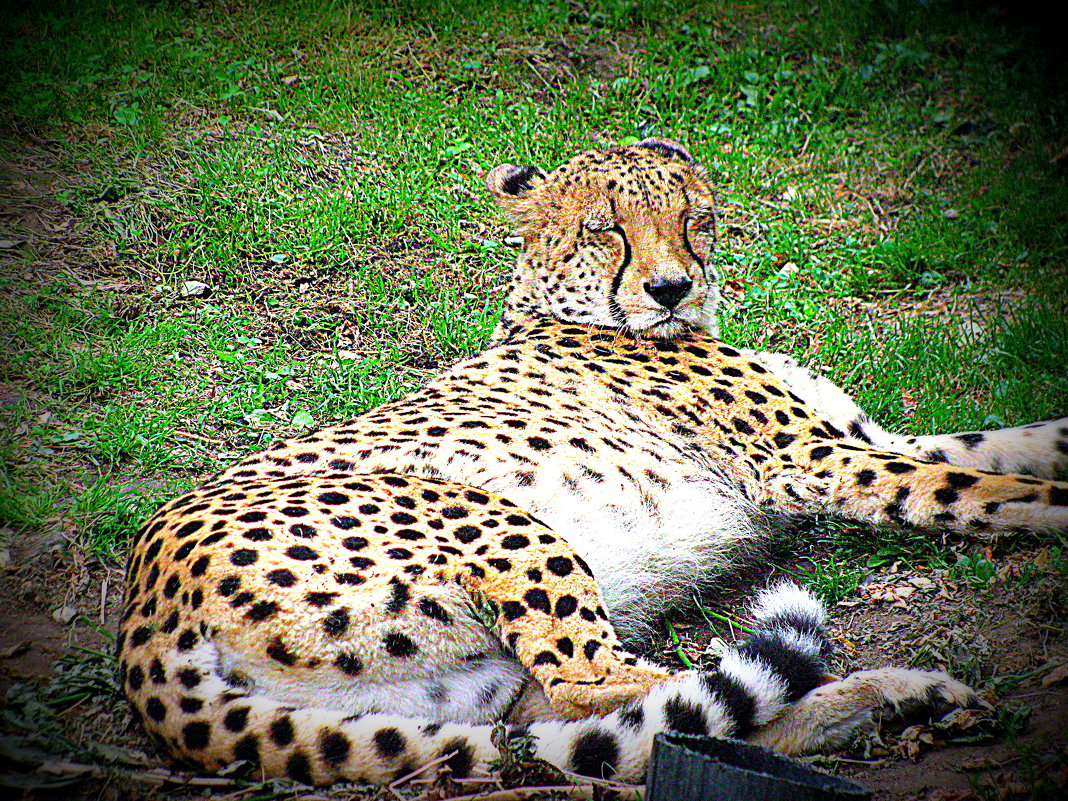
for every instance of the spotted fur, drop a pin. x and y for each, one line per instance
(370, 597)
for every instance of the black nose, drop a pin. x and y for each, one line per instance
(668, 291)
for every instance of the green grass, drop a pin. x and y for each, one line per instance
(317, 165)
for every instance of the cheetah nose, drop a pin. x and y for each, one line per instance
(668, 291)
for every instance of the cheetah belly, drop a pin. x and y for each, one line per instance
(650, 543)
(648, 558)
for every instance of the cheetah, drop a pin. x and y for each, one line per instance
(382, 596)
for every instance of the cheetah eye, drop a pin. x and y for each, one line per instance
(701, 220)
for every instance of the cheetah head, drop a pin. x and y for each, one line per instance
(618, 237)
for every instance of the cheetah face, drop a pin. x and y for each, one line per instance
(620, 238)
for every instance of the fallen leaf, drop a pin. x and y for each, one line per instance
(1059, 673)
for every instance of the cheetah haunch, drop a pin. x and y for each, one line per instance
(374, 596)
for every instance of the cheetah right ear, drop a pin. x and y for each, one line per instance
(509, 181)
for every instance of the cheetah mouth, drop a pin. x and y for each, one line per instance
(665, 327)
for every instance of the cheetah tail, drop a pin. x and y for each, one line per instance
(212, 725)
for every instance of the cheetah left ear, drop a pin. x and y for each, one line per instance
(666, 147)
(510, 181)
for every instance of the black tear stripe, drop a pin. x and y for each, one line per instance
(693, 254)
(617, 279)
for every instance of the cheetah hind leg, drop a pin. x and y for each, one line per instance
(1038, 449)
(827, 717)
(549, 611)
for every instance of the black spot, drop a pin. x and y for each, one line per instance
(946, 496)
(302, 530)
(354, 543)
(399, 645)
(865, 478)
(434, 610)
(196, 735)
(467, 533)
(261, 610)
(278, 652)
(170, 589)
(399, 596)
(243, 557)
(389, 743)
(282, 577)
(228, 586)
(462, 759)
(136, 677)
(402, 518)
(970, 440)
(559, 565)
(537, 599)
(301, 553)
(248, 749)
(140, 636)
(566, 646)
(502, 565)
(590, 648)
(821, 452)
(186, 640)
(281, 731)
(959, 481)
(236, 719)
(257, 535)
(334, 748)
(399, 553)
(189, 677)
(349, 664)
(191, 705)
(546, 658)
(900, 468)
(782, 439)
(513, 610)
(1058, 496)
(333, 498)
(320, 599)
(200, 566)
(336, 623)
(595, 753)
(155, 709)
(566, 605)
(294, 511)
(513, 542)
(741, 426)
(298, 768)
(344, 523)
(188, 529)
(368, 509)
(539, 443)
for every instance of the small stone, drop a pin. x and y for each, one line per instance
(951, 214)
(65, 614)
(195, 289)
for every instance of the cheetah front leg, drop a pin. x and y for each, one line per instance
(874, 486)
(548, 609)
(1038, 449)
